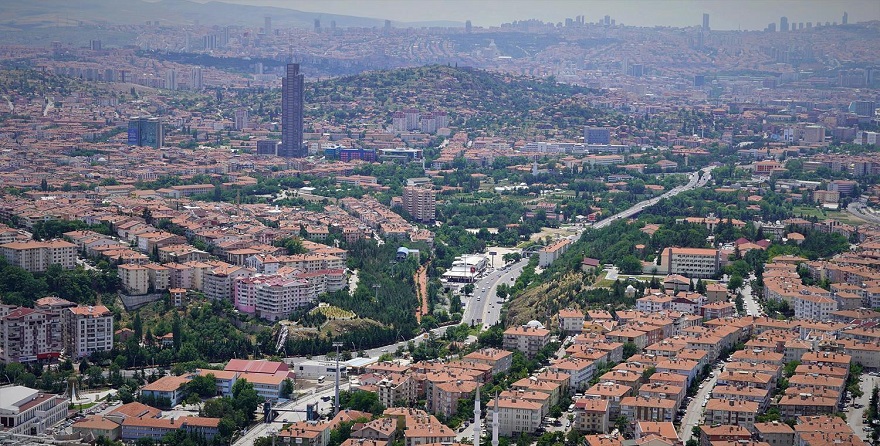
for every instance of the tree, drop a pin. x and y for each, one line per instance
(630, 264)
(176, 332)
(44, 185)
(286, 388)
(735, 283)
(204, 386)
(468, 289)
(493, 337)
(629, 349)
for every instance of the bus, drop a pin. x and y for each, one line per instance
(321, 379)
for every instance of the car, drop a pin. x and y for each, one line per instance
(704, 403)
(700, 386)
(384, 350)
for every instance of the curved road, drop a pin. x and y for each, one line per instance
(484, 307)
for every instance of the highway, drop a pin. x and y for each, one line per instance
(860, 211)
(695, 181)
(484, 307)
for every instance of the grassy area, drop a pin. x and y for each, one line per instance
(822, 214)
(332, 312)
(602, 282)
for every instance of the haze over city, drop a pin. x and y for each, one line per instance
(726, 14)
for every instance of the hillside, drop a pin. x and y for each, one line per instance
(496, 102)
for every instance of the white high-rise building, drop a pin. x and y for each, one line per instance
(87, 330)
(171, 80)
(195, 80)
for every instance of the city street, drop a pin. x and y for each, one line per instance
(854, 416)
(694, 415)
(751, 303)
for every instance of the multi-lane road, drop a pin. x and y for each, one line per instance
(484, 307)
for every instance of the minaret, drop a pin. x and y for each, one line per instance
(495, 422)
(477, 418)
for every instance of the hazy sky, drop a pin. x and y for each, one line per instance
(725, 14)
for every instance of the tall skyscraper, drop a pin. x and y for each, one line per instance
(705, 22)
(241, 119)
(783, 24)
(845, 18)
(195, 78)
(292, 114)
(468, 27)
(171, 80)
(143, 131)
(318, 26)
(267, 25)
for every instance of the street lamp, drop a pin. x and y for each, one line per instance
(337, 345)
(376, 287)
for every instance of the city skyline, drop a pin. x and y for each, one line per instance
(741, 15)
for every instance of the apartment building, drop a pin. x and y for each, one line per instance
(735, 412)
(580, 371)
(36, 257)
(611, 392)
(550, 253)
(591, 415)
(500, 360)
(135, 278)
(774, 433)
(26, 411)
(517, 416)
(420, 203)
(690, 262)
(813, 307)
(528, 339)
(792, 406)
(571, 321)
(396, 388)
(639, 408)
(28, 335)
(88, 329)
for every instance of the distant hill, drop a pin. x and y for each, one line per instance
(53, 13)
(474, 98)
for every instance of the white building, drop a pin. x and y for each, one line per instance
(549, 254)
(26, 411)
(88, 329)
(690, 262)
(813, 307)
(35, 256)
(517, 415)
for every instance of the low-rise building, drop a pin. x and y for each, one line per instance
(26, 411)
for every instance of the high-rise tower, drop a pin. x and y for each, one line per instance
(292, 114)
(477, 418)
(495, 422)
(705, 22)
